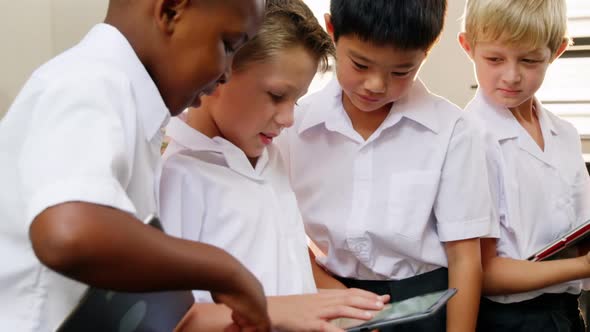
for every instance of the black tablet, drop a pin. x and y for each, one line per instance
(102, 310)
(412, 309)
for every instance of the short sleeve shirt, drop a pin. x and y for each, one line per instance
(540, 194)
(382, 208)
(211, 193)
(86, 127)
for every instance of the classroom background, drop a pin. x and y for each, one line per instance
(33, 31)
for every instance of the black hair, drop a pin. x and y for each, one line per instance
(403, 24)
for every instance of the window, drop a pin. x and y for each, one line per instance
(566, 89)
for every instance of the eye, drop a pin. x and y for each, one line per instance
(277, 98)
(400, 74)
(359, 66)
(493, 59)
(530, 61)
(229, 48)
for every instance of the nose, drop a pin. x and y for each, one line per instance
(512, 74)
(285, 116)
(376, 83)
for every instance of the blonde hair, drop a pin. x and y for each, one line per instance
(287, 24)
(528, 23)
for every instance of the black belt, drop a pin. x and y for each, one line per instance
(405, 288)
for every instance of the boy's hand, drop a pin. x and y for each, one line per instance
(583, 247)
(312, 312)
(248, 304)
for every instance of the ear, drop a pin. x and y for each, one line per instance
(465, 45)
(329, 26)
(168, 13)
(564, 44)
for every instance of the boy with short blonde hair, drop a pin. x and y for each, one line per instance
(539, 183)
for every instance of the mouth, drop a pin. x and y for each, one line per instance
(509, 91)
(368, 99)
(267, 138)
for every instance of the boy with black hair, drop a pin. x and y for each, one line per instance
(399, 192)
(80, 155)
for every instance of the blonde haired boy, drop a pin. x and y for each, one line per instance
(537, 175)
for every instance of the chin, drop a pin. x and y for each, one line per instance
(255, 154)
(366, 107)
(510, 103)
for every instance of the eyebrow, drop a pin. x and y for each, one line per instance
(406, 65)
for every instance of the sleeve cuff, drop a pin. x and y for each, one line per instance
(455, 231)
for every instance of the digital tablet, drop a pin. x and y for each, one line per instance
(412, 309)
(564, 246)
(102, 310)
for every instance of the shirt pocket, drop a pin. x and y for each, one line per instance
(410, 203)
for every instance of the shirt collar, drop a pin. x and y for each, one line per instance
(328, 109)
(234, 157)
(112, 46)
(327, 106)
(544, 119)
(415, 106)
(498, 118)
(502, 120)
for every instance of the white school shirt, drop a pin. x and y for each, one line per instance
(85, 127)
(381, 209)
(539, 195)
(211, 193)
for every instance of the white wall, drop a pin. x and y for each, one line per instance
(33, 31)
(448, 71)
(25, 36)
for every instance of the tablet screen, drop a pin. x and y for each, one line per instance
(411, 306)
(402, 311)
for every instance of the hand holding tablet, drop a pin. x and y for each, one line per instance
(415, 308)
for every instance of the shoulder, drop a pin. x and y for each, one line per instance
(179, 160)
(562, 126)
(312, 108)
(443, 106)
(193, 168)
(84, 74)
(436, 112)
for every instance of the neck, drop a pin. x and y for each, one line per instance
(524, 112)
(201, 120)
(129, 24)
(365, 123)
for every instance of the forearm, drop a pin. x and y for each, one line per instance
(217, 317)
(322, 278)
(205, 317)
(465, 274)
(509, 276)
(108, 248)
(462, 309)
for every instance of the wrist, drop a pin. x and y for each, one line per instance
(277, 321)
(237, 276)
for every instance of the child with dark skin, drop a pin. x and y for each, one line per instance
(184, 49)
